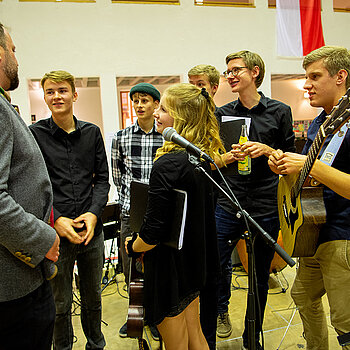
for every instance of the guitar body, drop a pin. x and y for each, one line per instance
(135, 320)
(300, 217)
(300, 208)
(277, 263)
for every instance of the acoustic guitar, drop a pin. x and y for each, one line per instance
(300, 207)
(135, 320)
(277, 263)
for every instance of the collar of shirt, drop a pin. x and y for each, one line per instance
(321, 118)
(56, 130)
(5, 94)
(237, 104)
(137, 129)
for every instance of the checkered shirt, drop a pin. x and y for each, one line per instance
(132, 155)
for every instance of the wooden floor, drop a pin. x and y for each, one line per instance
(282, 324)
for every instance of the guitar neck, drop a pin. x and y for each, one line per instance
(310, 160)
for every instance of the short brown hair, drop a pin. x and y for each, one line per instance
(206, 69)
(334, 59)
(251, 60)
(3, 43)
(58, 76)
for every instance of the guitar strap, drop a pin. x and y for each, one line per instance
(333, 147)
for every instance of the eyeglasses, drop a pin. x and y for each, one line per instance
(234, 71)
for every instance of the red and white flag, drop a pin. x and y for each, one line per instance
(299, 27)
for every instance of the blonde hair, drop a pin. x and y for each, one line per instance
(206, 69)
(58, 76)
(334, 59)
(250, 59)
(193, 113)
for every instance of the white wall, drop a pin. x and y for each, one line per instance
(109, 40)
(87, 107)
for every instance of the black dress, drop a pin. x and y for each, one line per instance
(171, 275)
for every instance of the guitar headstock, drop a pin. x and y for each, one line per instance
(339, 115)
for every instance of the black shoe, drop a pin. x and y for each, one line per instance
(154, 332)
(122, 331)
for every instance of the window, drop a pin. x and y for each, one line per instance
(163, 2)
(124, 84)
(242, 3)
(341, 5)
(271, 4)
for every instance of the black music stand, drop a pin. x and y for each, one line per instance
(111, 229)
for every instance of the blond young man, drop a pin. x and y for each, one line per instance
(76, 160)
(205, 76)
(270, 128)
(327, 272)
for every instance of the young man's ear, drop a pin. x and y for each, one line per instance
(156, 104)
(341, 77)
(255, 71)
(75, 96)
(214, 89)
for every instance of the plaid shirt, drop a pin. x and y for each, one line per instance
(132, 154)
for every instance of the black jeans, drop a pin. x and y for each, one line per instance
(28, 322)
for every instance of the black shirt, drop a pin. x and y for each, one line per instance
(271, 124)
(172, 275)
(77, 165)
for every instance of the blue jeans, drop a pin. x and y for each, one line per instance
(229, 230)
(90, 261)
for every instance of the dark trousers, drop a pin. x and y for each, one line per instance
(28, 322)
(229, 230)
(90, 259)
(208, 311)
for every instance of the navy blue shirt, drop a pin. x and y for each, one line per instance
(337, 224)
(271, 124)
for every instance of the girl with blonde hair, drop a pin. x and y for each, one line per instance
(173, 278)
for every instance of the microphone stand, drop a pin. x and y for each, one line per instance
(251, 313)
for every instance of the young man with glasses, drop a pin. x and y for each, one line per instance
(270, 127)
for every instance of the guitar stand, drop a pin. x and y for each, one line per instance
(288, 326)
(251, 312)
(275, 272)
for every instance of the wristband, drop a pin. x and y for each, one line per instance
(131, 252)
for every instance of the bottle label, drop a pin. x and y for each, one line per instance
(242, 140)
(244, 166)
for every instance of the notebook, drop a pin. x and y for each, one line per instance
(138, 205)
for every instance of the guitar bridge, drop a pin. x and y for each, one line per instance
(285, 211)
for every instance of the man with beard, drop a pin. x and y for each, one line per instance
(27, 310)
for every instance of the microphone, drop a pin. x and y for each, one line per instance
(170, 134)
